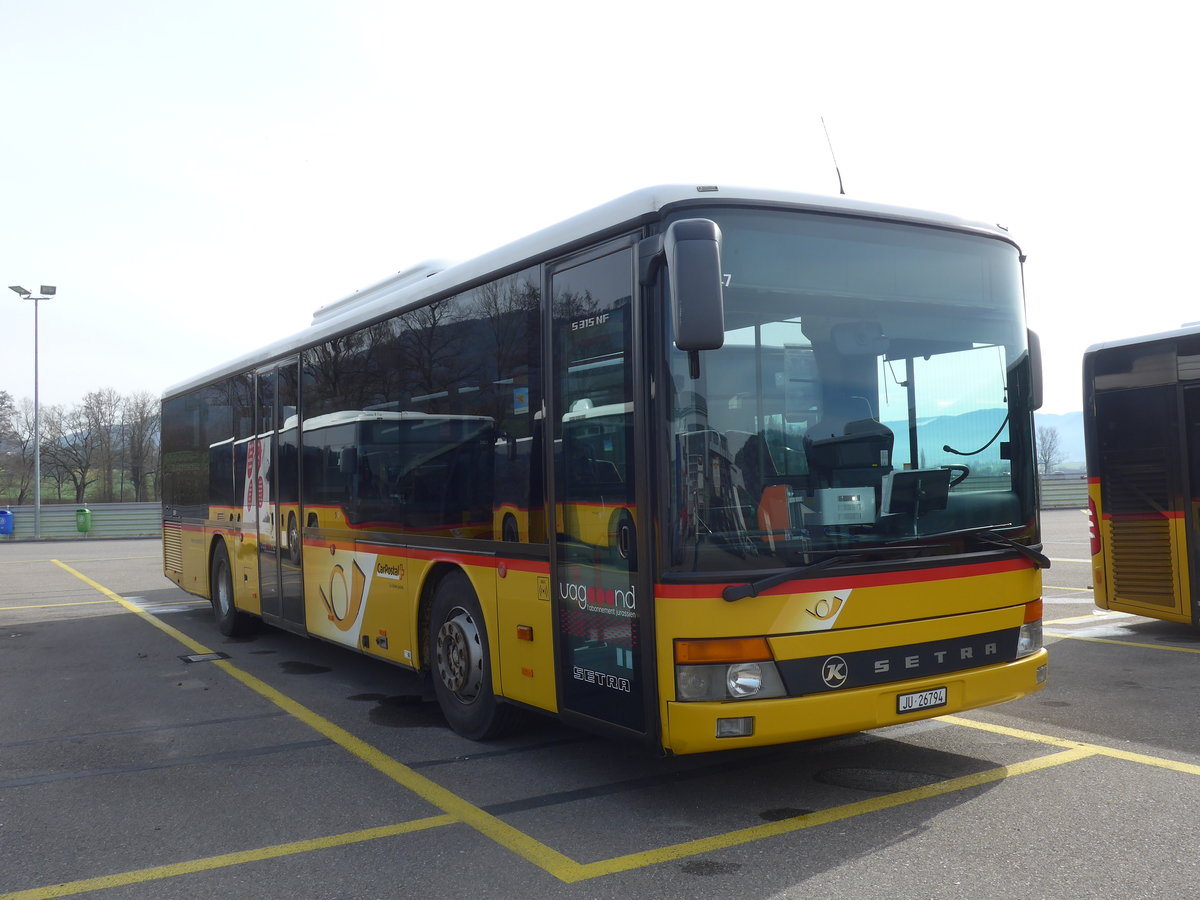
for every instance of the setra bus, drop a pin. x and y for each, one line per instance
(705, 467)
(1141, 416)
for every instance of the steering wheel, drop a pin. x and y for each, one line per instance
(961, 471)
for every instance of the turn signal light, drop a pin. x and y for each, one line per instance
(725, 650)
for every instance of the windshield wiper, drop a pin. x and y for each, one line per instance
(996, 539)
(988, 534)
(733, 593)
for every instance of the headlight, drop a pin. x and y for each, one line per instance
(1030, 639)
(734, 681)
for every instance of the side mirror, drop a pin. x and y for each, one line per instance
(692, 248)
(1035, 371)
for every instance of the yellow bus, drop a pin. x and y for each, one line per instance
(1142, 430)
(702, 467)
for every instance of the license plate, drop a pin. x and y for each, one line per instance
(919, 700)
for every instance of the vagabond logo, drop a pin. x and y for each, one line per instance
(614, 602)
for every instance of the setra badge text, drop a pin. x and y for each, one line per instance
(612, 682)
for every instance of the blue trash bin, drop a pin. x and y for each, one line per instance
(6, 521)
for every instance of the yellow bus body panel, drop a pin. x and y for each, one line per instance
(367, 596)
(1142, 567)
(691, 727)
(526, 663)
(937, 605)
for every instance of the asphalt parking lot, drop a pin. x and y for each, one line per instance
(133, 764)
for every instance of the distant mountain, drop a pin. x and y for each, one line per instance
(1070, 436)
(967, 433)
(971, 431)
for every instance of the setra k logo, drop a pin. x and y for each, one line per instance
(834, 671)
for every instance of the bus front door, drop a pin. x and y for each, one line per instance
(278, 464)
(600, 603)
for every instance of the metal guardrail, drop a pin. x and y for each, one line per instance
(108, 520)
(1064, 492)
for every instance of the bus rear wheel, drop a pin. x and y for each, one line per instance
(231, 621)
(460, 663)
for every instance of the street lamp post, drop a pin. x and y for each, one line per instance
(47, 291)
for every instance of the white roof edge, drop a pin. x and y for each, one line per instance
(411, 275)
(1183, 331)
(395, 292)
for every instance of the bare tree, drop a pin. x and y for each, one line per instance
(140, 425)
(8, 411)
(16, 458)
(69, 445)
(1049, 448)
(102, 411)
(85, 447)
(15, 451)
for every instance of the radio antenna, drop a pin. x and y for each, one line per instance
(828, 140)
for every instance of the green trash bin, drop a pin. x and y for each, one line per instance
(83, 520)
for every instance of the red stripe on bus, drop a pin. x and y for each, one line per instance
(817, 585)
(462, 559)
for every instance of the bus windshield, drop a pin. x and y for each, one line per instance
(870, 393)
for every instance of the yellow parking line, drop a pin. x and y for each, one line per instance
(1090, 617)
(1014, 732)
(1096, 640)
(826, 816)
(1094, 749)
(457, 809)
(53, 605)
(157, 873)
(26, 562)
(158, 623)
(91, 603)
(501, 832)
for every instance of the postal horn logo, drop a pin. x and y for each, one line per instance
(343, 602)
(834, 671)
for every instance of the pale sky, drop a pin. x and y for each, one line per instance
(197, 178)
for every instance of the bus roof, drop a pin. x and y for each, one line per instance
(1183, 331)
(413, 285)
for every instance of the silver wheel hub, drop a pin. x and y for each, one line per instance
(460, 655)
(224, 601)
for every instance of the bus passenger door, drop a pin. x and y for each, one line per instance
(600, 598)
(277, 479)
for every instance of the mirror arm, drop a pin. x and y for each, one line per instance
(651, 255)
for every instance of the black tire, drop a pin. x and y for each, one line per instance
(293, 533)
(231, 621)
(509, 530)
(460, 663)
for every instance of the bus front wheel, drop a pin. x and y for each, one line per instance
(460, 662)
